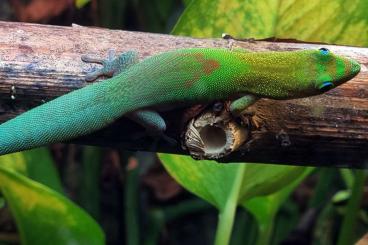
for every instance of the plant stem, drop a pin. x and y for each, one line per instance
(245, 229)
(227, 214)
(89, 192)
(323, 189)
(348, 226)
(156, 221)
(265, 232)
(131, 202)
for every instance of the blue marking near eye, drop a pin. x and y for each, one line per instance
(325, 86)
(324, 51)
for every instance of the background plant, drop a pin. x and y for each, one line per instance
(116, 187)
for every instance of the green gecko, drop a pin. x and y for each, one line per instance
(139, 90)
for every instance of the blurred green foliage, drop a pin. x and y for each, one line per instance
(37, 164)
(335, 22)
(81, 3)
(267, 214)
(259, 188)
(43, 215)
(152, 16)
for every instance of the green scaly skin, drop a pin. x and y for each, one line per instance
(185, 76)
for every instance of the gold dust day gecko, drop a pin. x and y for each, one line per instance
(185, 76)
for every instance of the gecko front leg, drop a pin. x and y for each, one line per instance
(239, 105)
(239, 108)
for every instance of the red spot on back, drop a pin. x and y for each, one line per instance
(208, 66)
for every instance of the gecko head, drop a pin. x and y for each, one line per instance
(295, 74)
(330, 70)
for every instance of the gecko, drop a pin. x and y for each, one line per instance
(138, 90)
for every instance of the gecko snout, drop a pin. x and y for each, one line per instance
(355, 67)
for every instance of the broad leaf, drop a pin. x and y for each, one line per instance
(228, 185)
(44, 216)
(36, 164)
(264, 208)
(207, 179)
(213, 181)
(337, 21)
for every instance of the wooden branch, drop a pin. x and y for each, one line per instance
(38, 63)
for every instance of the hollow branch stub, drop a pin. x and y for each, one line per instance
(213, 135)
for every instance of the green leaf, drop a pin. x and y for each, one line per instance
(348, 177)
(341, 196)
(187, 2)
(265, 179)
(227, 185)
(43, 215)
(212, 181)
(335, 21)
(264, 208)
(41, 168)
(37, 164)
(81, 3)
(207, 179)
(16, 162)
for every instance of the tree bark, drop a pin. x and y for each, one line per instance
(39, 63)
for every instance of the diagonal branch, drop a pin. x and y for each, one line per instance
(39, 62)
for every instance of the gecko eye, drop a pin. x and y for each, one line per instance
(324, 51)
(325, 86)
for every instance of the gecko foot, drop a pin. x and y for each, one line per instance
(112, 65)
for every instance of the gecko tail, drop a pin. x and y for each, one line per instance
(75, 114)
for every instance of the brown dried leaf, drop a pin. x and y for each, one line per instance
(40, 10)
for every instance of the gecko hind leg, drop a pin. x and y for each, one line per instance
(153, 123)
(112, 65)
